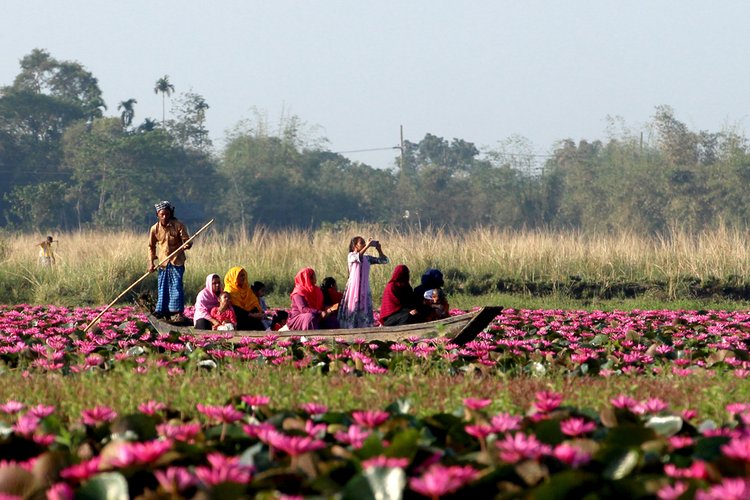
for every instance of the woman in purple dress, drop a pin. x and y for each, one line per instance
(307, 302)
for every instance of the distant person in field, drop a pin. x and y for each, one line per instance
(307, 302)
(397, 306)
(355, 310)
(46, 254)
(207, 299)
(223, 314)
(331, 299)
(244, 301)
(166, 236)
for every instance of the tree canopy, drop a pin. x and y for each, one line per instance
(66, 165)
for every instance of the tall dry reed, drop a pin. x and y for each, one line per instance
(93, 267)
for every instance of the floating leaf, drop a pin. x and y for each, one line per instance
(106, 486)
(622, 465)
(666, 426)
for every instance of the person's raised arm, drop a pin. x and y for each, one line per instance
(381, 256)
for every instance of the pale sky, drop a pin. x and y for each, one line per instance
(478, 70)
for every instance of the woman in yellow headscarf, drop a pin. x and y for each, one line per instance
(244, 302)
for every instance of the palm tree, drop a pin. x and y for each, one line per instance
(128, 113)
(148, 125)
(166, 89)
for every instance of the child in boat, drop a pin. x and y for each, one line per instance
(224, 313)
(259, 288)
(436, 304)
(279, 320)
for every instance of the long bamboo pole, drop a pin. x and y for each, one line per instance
(199, 231)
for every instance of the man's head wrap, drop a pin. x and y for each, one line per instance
(164, 205)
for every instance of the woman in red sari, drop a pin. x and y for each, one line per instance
(307, 302)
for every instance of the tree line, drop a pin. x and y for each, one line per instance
(65, 165)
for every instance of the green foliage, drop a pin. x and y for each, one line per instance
(53, 136)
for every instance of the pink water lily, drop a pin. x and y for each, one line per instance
(672, 492)
(314, 409)
(11, 407)
(293, 445)
(440, 480)
(81, 471)
(353, 436)
(519, 446)
(696, 470)
(577, 426)
(98, 415)
(728, 489)
(255, 400)
(223, 470)
(547, 401)
(222, 414)
(60, 491)
(370, 418)
(26, 425)
(571, 455)
(738, 449)
(504, 422)
(139, 453)
(476, 404)
(41, 411)
(151, 407)
(175, 479)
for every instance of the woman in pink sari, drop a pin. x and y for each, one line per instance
(207, 299)
(355, 310)
(307, 302)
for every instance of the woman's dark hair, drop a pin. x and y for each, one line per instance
(354, 242)
(328, 282)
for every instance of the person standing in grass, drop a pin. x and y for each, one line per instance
(164, 238)
(46, 254)
(355, 310)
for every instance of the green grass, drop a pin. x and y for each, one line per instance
(429, 392)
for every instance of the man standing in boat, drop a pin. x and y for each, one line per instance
(166, 236)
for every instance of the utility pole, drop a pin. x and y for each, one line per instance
(401, 147)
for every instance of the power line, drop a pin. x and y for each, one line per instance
(365, 150)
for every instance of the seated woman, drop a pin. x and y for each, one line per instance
(331, 299)
(207, 299)
(244, 302)
(307, 302)
(397, 306)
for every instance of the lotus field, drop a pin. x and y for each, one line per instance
(247, 445)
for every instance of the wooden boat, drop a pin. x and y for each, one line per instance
(460, 329)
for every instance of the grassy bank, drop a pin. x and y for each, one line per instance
(93, 267)
(428, 392)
